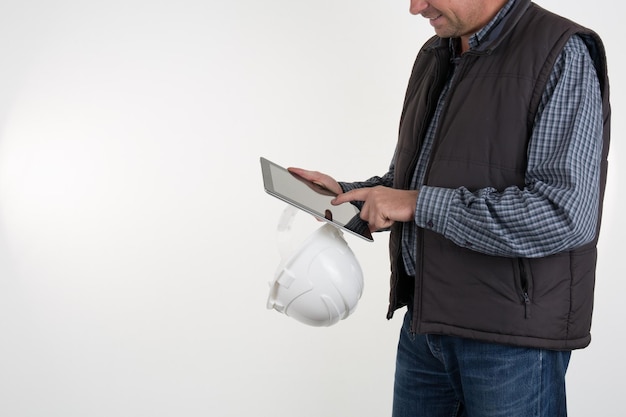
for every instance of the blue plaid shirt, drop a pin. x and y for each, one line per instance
(557, 209)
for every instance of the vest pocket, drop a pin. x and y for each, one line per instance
(523, 284)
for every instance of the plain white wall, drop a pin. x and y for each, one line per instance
(136, 241)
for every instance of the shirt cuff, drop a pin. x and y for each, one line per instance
(347, 186)
(433, 207)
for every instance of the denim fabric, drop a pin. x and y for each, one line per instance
(443, 376)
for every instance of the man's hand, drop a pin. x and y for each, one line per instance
(382, 205)
(323, 180)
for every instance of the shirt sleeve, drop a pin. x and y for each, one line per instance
(386, 181)
(557, 209)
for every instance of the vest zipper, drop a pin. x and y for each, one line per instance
(419, 132)
(417, 284)
(524, 288)
(457, 68)
(526, 305)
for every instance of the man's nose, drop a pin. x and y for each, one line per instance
(418, 6)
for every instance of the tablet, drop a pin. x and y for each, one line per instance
(313, 199)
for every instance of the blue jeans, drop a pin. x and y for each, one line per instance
(444, 376)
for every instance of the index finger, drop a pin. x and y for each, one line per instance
(359, 194)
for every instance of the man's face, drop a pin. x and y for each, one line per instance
(456, 18)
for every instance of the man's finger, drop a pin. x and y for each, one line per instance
(360, 194)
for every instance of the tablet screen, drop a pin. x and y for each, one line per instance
(312, 198)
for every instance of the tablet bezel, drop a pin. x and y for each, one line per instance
(355, 226)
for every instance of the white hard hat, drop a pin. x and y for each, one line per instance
(318, 282)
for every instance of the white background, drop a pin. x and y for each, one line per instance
(136, 241)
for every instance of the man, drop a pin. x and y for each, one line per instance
(493, 198)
